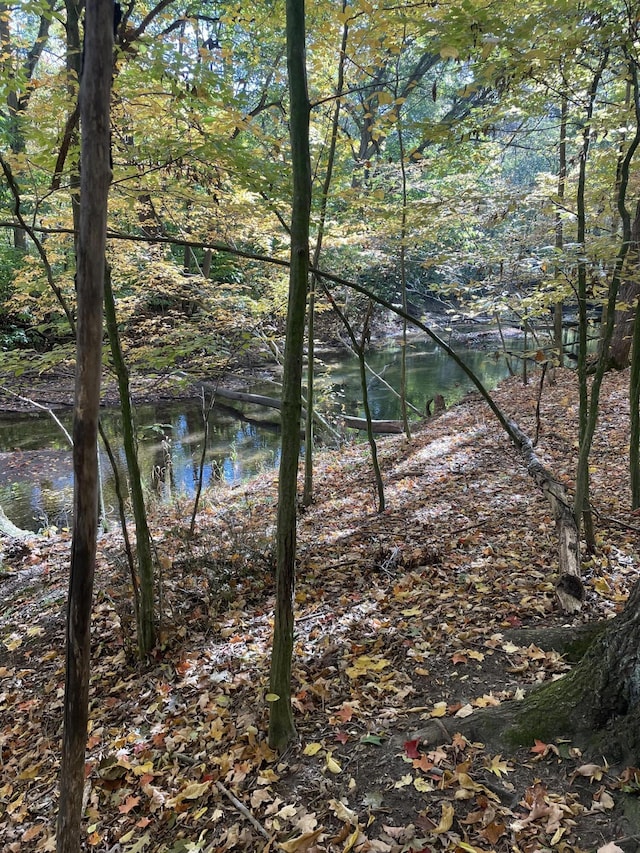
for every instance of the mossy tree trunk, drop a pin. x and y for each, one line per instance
(281, 725)
(596, 705)
(145, 579)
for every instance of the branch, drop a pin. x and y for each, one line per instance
(242, 809)
(44, 408)
(13, 187)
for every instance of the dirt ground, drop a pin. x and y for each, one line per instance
(402, 617)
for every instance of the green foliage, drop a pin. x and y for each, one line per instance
(201, 152)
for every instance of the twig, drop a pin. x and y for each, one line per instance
(243, 810)
(616, 521)
(44, 408)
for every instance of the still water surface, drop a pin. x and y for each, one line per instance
(35, 461)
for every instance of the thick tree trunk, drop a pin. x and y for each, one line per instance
(596, 705)
(379, 427)
(96, 177)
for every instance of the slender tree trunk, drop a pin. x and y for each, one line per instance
(559, 235)
(588, 411)
(634, 413)
(624, 322)
(74, 54)
(307, 495)
(17, 102)
(281, 725)
(589, 417)
(403, 265)
(96, 171)
(146, 621)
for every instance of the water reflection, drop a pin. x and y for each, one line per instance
(35, 461)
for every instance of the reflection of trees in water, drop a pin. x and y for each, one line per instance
(240, 444)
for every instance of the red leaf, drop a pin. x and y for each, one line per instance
(411, 748)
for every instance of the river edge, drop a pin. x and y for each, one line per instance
(37, 391)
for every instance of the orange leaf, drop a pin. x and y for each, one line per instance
(129, 803)
(539, 748)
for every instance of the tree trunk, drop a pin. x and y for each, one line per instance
(307, 495)
(559, 231)
(378, 427)
(281, 725)
(146, 586)
(96, 176)
(624, 320)
(596, 705)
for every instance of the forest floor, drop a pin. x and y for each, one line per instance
(404, 616)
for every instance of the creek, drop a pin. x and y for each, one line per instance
(36, 484)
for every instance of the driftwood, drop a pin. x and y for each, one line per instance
(244, 397)
(569, 588)
(376, 426)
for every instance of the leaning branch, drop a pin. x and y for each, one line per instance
(569, 555)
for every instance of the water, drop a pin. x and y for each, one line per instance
(35, 460)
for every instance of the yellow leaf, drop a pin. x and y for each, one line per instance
(11, 808)
(446, 820)
(143, 769)
(301, 843)
(422, 785)
(384, 98)
(404, 781)
(272, 697)
(352, 840)
(343, 813)
(439, 709)
(365, 664)
(31, 772)
(312, 748)
(332, 764)
(13, 642)
(193, 791)
(498, 767)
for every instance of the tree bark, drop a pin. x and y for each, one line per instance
(596, 705)
(146, 585)
(96, 177)
(624, 320)
(281, 725)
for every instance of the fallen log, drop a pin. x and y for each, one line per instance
(244, 397)
(569, 587)
(376, 426)
(262, 400)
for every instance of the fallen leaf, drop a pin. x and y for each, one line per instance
(446, 819)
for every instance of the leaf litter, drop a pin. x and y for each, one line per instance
(401, 617)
